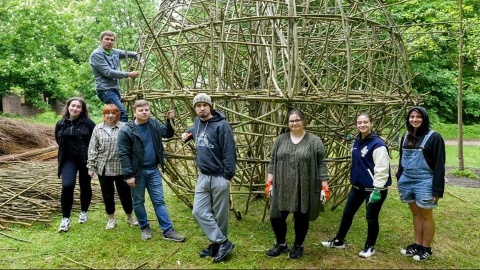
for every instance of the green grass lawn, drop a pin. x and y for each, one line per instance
(90, 245)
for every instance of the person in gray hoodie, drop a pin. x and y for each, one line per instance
(216, 159)
(105, 65)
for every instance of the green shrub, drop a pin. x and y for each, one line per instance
(464, 173)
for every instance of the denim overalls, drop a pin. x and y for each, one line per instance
(415, 183)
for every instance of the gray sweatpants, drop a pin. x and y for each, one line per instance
(211, 206)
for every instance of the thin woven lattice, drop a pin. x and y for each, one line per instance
(258, 59)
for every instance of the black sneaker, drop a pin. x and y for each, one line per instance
(334, 243)
(276, 250)
(211, 250)
(411, 250)
(296, 252)
(424, 254)
(224, 249)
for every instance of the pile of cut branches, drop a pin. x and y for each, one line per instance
(30, 192)
(18, 136)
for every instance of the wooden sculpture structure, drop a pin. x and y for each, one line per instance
(257, 59)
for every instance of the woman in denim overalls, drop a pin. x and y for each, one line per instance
(421, 179)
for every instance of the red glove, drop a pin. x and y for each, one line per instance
(325, 194)
(268, 188)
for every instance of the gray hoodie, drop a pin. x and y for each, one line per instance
(216, 151)
(106, 68)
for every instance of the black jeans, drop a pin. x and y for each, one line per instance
(301, 224)
(107, 184)
(356, 198)
(69, 179)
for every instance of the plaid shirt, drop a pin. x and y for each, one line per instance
(103, 150)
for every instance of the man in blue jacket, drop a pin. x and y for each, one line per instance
(105, 65)
(140, 150)
(216, 159)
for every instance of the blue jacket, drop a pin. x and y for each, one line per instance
(216, 151)
(131, 148)
(106, 68)
(365, 158)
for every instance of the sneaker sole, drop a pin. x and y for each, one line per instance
(330, 246)
(365, 256)
(206, 255)
(406, 255)
(418, 259)
(280, 253)
(293, 258)
(174, 240)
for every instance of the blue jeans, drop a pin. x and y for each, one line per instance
(113, 97)
(152, 181)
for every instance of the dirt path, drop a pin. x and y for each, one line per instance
(465, 142)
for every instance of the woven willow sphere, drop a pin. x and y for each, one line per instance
(258, 59)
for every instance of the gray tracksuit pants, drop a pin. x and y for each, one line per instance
(211, 206)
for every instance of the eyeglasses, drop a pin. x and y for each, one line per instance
(296, 121)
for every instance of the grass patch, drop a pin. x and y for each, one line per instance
(470, 155)
(91, 245)
(450, 131)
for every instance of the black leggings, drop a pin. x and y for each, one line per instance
(69, 179)
(356, 198)
(108, 183)
(301, 224)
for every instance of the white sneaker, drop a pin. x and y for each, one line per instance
(64, 225)
(367, 252)
(132, 221)
(82, 218)
(334, 243)
(111, 223)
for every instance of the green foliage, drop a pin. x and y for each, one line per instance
(46, 44)
(464, 173)
(31, 58)
(431, 36)
(46, 118)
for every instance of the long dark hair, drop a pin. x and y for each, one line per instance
(66, 113)
(412, 133)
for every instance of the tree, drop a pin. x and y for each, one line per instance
(46, 44)
(33, 55)
(431, 36)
